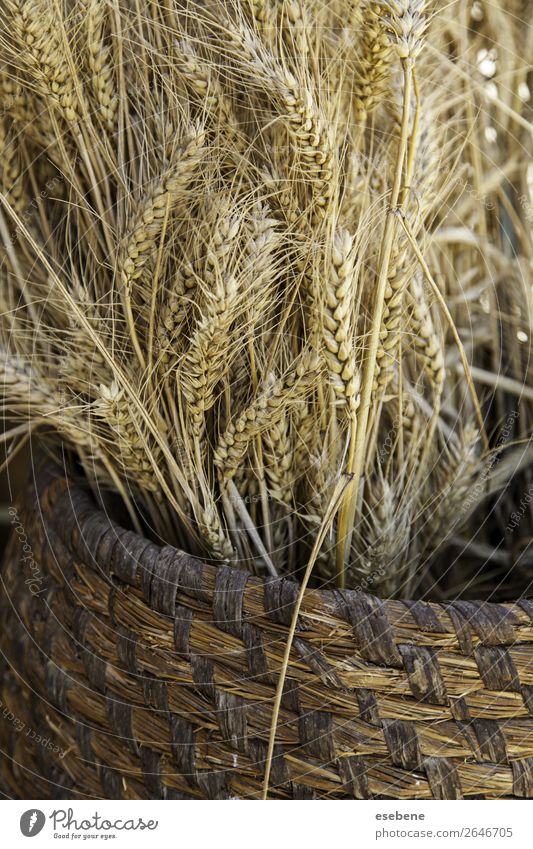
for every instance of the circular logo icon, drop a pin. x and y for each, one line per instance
(32, 822)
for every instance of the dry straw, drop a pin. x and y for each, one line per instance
(253, 255)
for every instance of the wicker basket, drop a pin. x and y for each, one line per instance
(133, 671)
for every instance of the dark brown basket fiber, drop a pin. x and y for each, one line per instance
(132, 672)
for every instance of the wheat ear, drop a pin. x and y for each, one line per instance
(265, 410)
(145, 228)
(173, 316)
(14, 103)
(215, 102)
(444, 307)
(386, 543)
(281, 194)
(337, 321)
(374, 63)
(278, 460)
(305, 436)
(102, 78)
(32, 398)
(313, 149)
(206, 359)
(405, 24)
(214, 534)
(312, 141)
(427, 343)
(391, 324)
(444, 513)
(19, 384)
(113, 408)
(38, 30)
(11, 182)
(140, 243)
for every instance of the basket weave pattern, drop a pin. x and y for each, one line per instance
(140, 672)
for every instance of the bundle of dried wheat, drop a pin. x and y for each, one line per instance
(251, 247)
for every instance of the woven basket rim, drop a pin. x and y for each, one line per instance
(50, 471)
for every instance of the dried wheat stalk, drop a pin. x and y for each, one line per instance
(221, 227)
